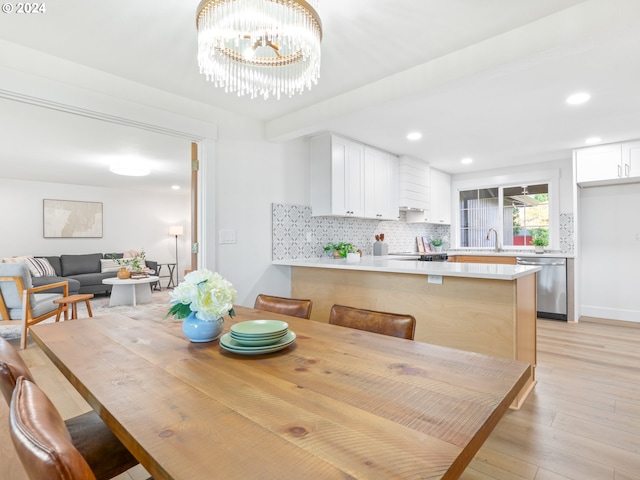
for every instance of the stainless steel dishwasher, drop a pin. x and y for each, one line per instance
(551, 286)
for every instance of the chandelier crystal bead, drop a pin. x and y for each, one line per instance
(260, 47)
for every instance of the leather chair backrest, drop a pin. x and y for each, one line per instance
(392, 324)
(11, 368)
(41, 439)
(285, 306)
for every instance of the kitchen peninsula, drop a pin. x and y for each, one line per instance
(484, 308)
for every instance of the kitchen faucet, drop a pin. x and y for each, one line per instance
(494, 231)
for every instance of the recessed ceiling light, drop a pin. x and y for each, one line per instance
(130, 168)
(175, 187)
(578, 98)
(414, 136)
(592, 140)
(466, 161)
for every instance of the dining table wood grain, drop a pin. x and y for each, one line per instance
(336, 404)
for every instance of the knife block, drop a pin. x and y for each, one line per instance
(380, 249)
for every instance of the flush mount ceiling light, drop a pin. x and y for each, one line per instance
(592, 140)
(466, 161)
(414, 136)
(130, 168)
(578, 98)
(259, 47)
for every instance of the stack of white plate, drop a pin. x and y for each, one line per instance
(255, 337)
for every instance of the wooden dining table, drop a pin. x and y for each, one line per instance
(338, 403)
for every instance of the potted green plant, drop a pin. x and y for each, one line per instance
(340, 250)
(436, 243)
(539, 240)
(134, 264)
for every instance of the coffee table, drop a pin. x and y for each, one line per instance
(130, 291)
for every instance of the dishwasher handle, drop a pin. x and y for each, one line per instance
(536, 264)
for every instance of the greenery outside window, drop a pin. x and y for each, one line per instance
(517, 213)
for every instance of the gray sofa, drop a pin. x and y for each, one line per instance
(83, 272)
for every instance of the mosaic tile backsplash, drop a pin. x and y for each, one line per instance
(296, 234)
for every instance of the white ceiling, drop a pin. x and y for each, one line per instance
(485, 79)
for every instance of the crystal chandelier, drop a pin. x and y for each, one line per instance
(259, 47)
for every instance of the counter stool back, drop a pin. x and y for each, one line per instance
(392, 324)
(285, 306)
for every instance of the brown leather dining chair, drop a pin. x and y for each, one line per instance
(392, 324)
(285, 306)
(106, 456)
(41, 438)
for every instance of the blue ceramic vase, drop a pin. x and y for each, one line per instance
(199, 331)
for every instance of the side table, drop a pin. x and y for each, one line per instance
(172, 268)
(73, 301)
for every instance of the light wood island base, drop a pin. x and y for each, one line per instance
(493, 317)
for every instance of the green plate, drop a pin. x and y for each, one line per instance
(259, 327)
(266, 336)
(229, 344)
(256, 341)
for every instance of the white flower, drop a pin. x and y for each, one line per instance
(204, 292)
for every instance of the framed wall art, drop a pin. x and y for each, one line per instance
(72, 219)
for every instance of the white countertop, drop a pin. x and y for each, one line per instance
(399, 264)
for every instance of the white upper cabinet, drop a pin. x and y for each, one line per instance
(349, 179)
(631, 160)
(414, 184)
(601, 163)
(380, 184)
(608, 164)
(439, 210)
(337, 177)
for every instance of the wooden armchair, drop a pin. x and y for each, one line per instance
(21, 302)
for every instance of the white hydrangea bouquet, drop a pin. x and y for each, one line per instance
(205, 293)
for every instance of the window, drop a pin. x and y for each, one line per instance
(516, 213)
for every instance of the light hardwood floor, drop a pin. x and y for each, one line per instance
(581, 422)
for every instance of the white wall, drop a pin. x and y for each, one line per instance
(250, 176)
(131, 221)
(610, 252)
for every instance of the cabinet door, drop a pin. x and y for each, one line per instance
(631, 159)
(414, 190)
(599, 163)
(380, 185)
(347, 177)
(440, 211)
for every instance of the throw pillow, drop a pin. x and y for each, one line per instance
(22, 259)
(40, 267)
(108, 265)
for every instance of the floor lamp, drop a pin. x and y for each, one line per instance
(176, 230)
